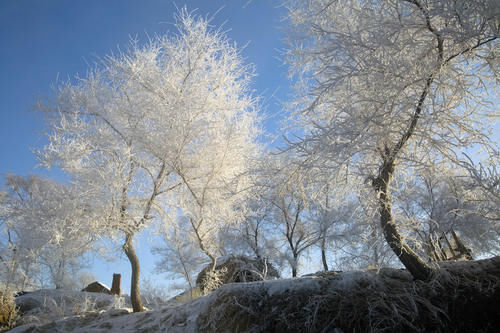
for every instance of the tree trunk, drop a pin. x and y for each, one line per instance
(135, 296)
(410, 259)
(323, 253)
(61, 274)
(213, 263)
(324, 230)
(294, 264)
(256, 242)
(376, 256)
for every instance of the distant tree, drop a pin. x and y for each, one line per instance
(85, 278)
(484, 179)
(391, 84)
(179, 255)
(325, 218)
(155, 295)
(332, 215)
(289, 194)
(434, 202)
(175, 114)
(50, 226)
(254, 235)
(256, 229)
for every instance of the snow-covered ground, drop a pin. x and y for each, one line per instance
(375, 300)
(45, 306)
(64, 311)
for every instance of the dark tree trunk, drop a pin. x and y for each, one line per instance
(295, 263)
(256, 242)
(410, 259)
(59, 274)
(135, 296)
(323, 253)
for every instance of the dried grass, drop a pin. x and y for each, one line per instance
(373, 301)
(8, 311)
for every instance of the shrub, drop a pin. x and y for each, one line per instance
(8, 311)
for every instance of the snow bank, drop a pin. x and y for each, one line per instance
(47, 305)
(173, 318)
(361, 301)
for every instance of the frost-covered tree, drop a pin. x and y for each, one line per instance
(254, 235)
(216, 175)
(434, 202)
(336, 220)
(289, 192)
(179, 255)
(390, 84)
(256, 231)
(174, 114)
(325, 217)
(485, 182)
(49, 227)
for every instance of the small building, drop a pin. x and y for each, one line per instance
(97, 287)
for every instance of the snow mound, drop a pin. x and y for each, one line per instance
(47, 305)
(173, 319)
(386, 300)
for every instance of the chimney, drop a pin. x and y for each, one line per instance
(115, 287)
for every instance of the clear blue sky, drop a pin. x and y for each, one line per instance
(41, 40)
